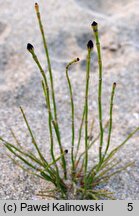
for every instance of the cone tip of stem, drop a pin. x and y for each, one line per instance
(94, 23)
(37, 7)
(90, 44)
(78, 59)
(30, 47)
(114, 84)
(94, 26)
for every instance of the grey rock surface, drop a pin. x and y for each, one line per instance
(67, 26)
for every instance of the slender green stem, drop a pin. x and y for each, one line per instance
(89, 46)
(95, 29)
(52, 163)
(32, 157)
(47, 56)
(72, 115)
(90, 136)
(93, 196)
(23, 168)
(110, 121)
(32, 136)
(22, 158)
(47, 97)
(52, 86)
(91, 144)
(117, 171)
(80, 133)
(51, 173)
(28, 155)
(15, 138)
(45, 90)
(46, 93)
(113, 152)
(51, 135)
(34, 141)
(102, 173)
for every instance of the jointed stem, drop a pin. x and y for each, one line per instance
(89, 46)
(52, 87)
(47, 56)
(80, 133)
(95, 29)
(91, 144)
(32, 136)
(110, 122)
(72, 115)
(46, 93)
(114, 151)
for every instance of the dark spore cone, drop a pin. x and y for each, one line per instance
(90, 44)
(94, 23)
(114, 84)
(29, 47)
(78, 59)
(94, 26)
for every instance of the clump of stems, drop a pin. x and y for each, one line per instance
(83, 181)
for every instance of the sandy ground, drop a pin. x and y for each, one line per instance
(67, 25)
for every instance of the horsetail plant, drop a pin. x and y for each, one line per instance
(83, 181)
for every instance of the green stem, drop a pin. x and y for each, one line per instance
(47, 57)
(95, 29)
(23, 168)
(91, 144)
(72, 115)
(110, 121)
(28, 155)
(86, 115)
(15, 138)
(22, 158)
(80, 133)
(113, 152)
(32, 136)
(47, 97)
(52, 86)
(46, 93)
